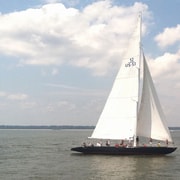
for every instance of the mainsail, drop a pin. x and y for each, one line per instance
(129, 110)
(119, 116)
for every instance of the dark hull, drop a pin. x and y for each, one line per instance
(125, 151)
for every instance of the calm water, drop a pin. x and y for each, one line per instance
(45, 154)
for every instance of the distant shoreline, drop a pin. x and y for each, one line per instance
(45, 127)
(54, 127)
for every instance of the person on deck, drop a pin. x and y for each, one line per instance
(108, 143)
(122, 142)
(137, 140)
(167, 142)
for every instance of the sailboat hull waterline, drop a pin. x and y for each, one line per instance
(125, 151)
(132, 110)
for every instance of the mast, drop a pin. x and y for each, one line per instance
(138, 68)
(118, 119)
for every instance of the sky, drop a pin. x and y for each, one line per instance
(59, 58)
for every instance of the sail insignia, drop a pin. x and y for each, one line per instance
(131, 62)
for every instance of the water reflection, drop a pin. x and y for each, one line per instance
(129, 167)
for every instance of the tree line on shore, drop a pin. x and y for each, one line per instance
(55, 127)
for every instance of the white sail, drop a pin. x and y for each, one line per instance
(151, 119)
(119, 116)
(132, 111)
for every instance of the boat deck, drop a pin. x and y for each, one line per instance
(140, 150)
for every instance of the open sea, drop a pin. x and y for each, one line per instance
(46, 155)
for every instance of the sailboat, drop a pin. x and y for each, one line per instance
(132, 110)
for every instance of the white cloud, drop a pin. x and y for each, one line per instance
(167, 64)
(168, 37)
(54, 34)
(165, 70)
(55, 71)
(18, 97)
(2, 94)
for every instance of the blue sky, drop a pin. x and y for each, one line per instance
(59, 58)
